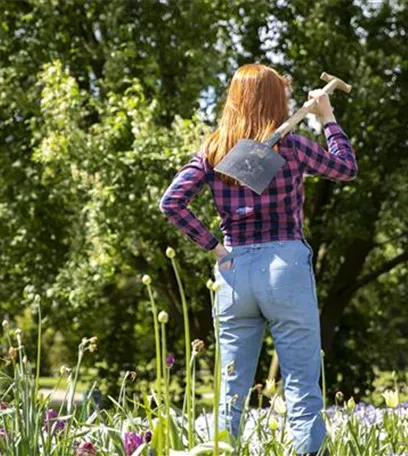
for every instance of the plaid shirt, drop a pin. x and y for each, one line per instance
(248, 218)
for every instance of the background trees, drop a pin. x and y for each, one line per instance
(100, 105)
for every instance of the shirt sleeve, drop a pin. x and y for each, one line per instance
(185, 186)
(338, 163)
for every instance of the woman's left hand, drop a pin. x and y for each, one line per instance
(220, 251)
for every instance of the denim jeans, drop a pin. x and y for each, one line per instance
(271, 284)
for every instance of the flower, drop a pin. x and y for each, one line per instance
(3, 433)
(163, 317)
(216, 286)
(65, 370)
(86, 449)
(279, 406)
(270, 387)
(146, 279)
(170, 360)
(391, 398)
(51, 423)
(4, 405)
(339, 397)
(5, 324)
(148, 436)
(197, 345)
(273, 423)
(170, 253)
(132, 441)
(350, 405)
(209, 284)
(12, 353)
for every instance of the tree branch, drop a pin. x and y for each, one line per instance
(387, 266)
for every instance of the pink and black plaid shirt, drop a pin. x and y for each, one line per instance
(248, 218)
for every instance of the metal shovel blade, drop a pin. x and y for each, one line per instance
(252, 163)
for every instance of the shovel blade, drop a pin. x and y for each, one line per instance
(252, 163)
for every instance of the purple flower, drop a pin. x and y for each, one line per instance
(148, 436)
(170, 360)
(132, 442)
(86, 449)
(3, 433)
(52, 423)
(4, 405)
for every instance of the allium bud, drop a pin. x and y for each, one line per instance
(170, 360)
(163, 317)
(270, 387)
(18, 332)
(12, 353)
(197, 345)
(148, 436)
(170, 253)
(216, 286)
(5, 324)
(146, 279)
(209, 284)
(93, 340)
(273, 423)
(279, 406)
(351, 405)
(65, 370)
(339, 397)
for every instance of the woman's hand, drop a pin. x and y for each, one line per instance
(323, 108)
(220, 251)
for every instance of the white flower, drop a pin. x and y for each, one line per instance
(146, 279)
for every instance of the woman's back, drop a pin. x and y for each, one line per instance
(276, 214)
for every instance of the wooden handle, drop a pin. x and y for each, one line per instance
(333, 84)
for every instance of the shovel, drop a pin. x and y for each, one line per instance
(254, 163)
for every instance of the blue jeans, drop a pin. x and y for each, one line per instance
(271, 284)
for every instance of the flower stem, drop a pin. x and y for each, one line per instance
(323, 379)
(188, 356)
(166, 390)
(158, 361)
(217, 376)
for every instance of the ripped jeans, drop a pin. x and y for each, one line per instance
(271, 284)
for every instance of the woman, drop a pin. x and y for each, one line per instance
(264, 264)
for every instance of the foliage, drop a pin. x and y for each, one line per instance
(98, 110)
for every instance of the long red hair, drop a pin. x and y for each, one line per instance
(256, 105)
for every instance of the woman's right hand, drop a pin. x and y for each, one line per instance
(323, 108)
(220, 251)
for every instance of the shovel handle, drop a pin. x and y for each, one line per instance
(333, 83)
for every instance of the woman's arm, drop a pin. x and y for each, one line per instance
(338, 163)
(185, 186)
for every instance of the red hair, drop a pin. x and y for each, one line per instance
(256, 105)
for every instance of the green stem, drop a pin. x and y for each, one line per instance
(37, 373)
(166, 390)
(188, 356)
(323, 379)
(158, 363)
(157, 338)
(217, 377)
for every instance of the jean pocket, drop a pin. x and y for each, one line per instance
(225, 295)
